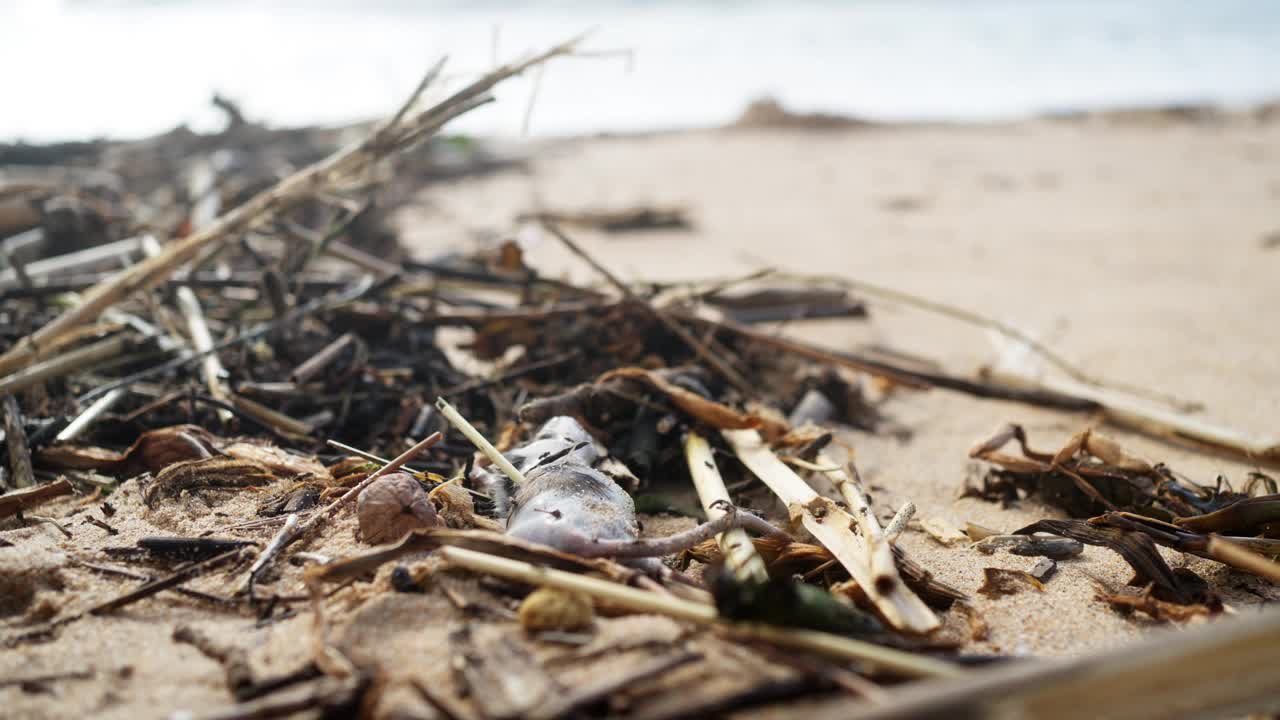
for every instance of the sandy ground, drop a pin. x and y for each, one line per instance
(1136, 251)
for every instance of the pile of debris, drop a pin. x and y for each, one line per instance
(572, 499)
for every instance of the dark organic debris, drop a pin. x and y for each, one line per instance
(1092, 474)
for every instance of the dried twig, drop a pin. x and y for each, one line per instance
(482, 444)
(164, 583)
(1233, 554)
(879, 553)
(834, 646)
(670, 323)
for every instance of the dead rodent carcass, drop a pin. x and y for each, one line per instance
(566, 500)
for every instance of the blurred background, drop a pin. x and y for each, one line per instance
(80, 68)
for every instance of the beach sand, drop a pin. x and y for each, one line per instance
(1134, 246)
(1136, 249)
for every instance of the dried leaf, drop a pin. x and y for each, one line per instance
(999, 582)
(218, 472)
(707, 411)
(1147, 603)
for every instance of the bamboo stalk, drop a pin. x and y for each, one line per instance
(739, 552)
(901, 607)
(832, 646)
(884, 571)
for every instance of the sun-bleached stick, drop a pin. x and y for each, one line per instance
(482, 444)
(833, 646)
(832, 526)
(884, 571)
(739, 552)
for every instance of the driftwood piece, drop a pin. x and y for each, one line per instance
(832, 526)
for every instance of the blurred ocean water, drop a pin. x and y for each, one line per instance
(72, 68)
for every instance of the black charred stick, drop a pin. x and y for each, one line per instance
(16, 438)
(190, 548)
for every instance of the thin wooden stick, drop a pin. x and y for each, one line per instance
(716, 362)
(1160, 422)
(76, 427)
(979, 320)
(884, 571)
(739, 552)
(164, 583)
(482, 444)
(267, 416)
(832, 526)
(833, 646)
(1224, 550)
(370, 456)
